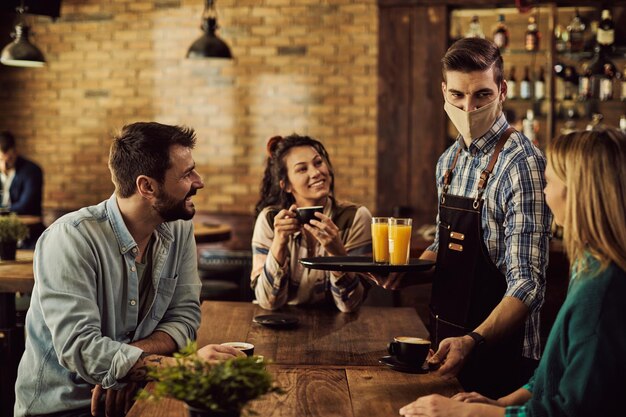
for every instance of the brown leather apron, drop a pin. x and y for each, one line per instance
(468, 286)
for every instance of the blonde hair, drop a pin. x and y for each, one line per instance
(592, 164)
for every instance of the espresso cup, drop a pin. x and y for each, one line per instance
(247, 348)
(409, 350)
(306, 214)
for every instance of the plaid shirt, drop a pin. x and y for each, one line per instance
(520, 411)
(515, 218)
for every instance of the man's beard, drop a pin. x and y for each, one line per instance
(171, 209)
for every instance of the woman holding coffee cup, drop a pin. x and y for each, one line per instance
(299, 174)
(581, 372)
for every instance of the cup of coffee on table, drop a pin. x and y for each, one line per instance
(306, 214)
(409, 350)
(247, 348)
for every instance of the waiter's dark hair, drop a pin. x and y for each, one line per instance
(7, 141)
(473, 54)
(144, 149)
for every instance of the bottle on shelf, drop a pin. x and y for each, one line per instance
(529, 127)
(576, 31)
(570, 124)
(540, 85)
(524, 86)
(623, 84)
(559, 82)
(622, 123)
(501, 34)
(475, 29)
(596, 119)
(532, 35)
(606, 29)
(511, 84)
(571, 81)
(584, 83)
(560, 38)
(602, 72)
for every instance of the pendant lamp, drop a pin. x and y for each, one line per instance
(21, 52)
(209, 45)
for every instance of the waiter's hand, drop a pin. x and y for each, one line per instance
(451, 355)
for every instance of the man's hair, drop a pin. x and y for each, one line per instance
(7, 141)
(473, 54)
(592, 164)
(144, 149)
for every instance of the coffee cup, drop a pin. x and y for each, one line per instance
(409, 350)
(306, 214)
(247, 348)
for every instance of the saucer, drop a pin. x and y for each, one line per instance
(396, 365)
(276, 320)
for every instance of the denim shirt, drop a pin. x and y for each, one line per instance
(85, 306)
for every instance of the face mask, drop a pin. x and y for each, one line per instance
(473, 124)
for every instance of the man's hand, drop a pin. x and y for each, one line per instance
(117, 402)
(451, 355)
(218, 353)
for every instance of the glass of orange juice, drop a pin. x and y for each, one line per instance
(380, 240)
(399, 240)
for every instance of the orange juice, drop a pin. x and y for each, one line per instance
(399, 241)
(380, 240)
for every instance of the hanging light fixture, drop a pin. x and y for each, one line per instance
(209, 45)
(21, 52)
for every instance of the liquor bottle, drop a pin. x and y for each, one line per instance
(532, 35)
(501, 34)
(571, 80)
(540, 85)
(475, 29)
(623, 83)
(584, 83)
(512, 84)
(606, 29)
(528, 126)
(602, 71)
(524, 87)
(560, 38)
(596, 119)
(576, 31)
(622, 123)
(559, 82)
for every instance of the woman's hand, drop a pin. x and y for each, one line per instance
(285, 225)
(327, 233)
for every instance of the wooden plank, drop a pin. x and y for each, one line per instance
(381, 392)
(323, 336)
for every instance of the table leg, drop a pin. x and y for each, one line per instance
(11, 349)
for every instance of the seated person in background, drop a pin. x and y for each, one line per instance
(299, 174)
(116, 284)
(581, 372)
(22, 185)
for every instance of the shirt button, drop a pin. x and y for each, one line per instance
(132, 268)
(133, 302)
(134, 250)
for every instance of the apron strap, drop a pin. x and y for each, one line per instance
(484, 176)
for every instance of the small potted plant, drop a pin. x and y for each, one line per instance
(12, 230)
(220, 389)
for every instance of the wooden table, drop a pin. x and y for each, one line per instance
(15, 276)
(209, 233)
(328, 365)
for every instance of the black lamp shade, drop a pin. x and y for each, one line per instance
(21, 52)
(209, 45)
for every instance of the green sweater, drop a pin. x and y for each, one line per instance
(583, 368)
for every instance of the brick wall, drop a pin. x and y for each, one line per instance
(305, 66)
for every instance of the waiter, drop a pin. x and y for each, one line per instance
(491, 244)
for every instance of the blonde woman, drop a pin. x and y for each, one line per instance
(582, 371)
